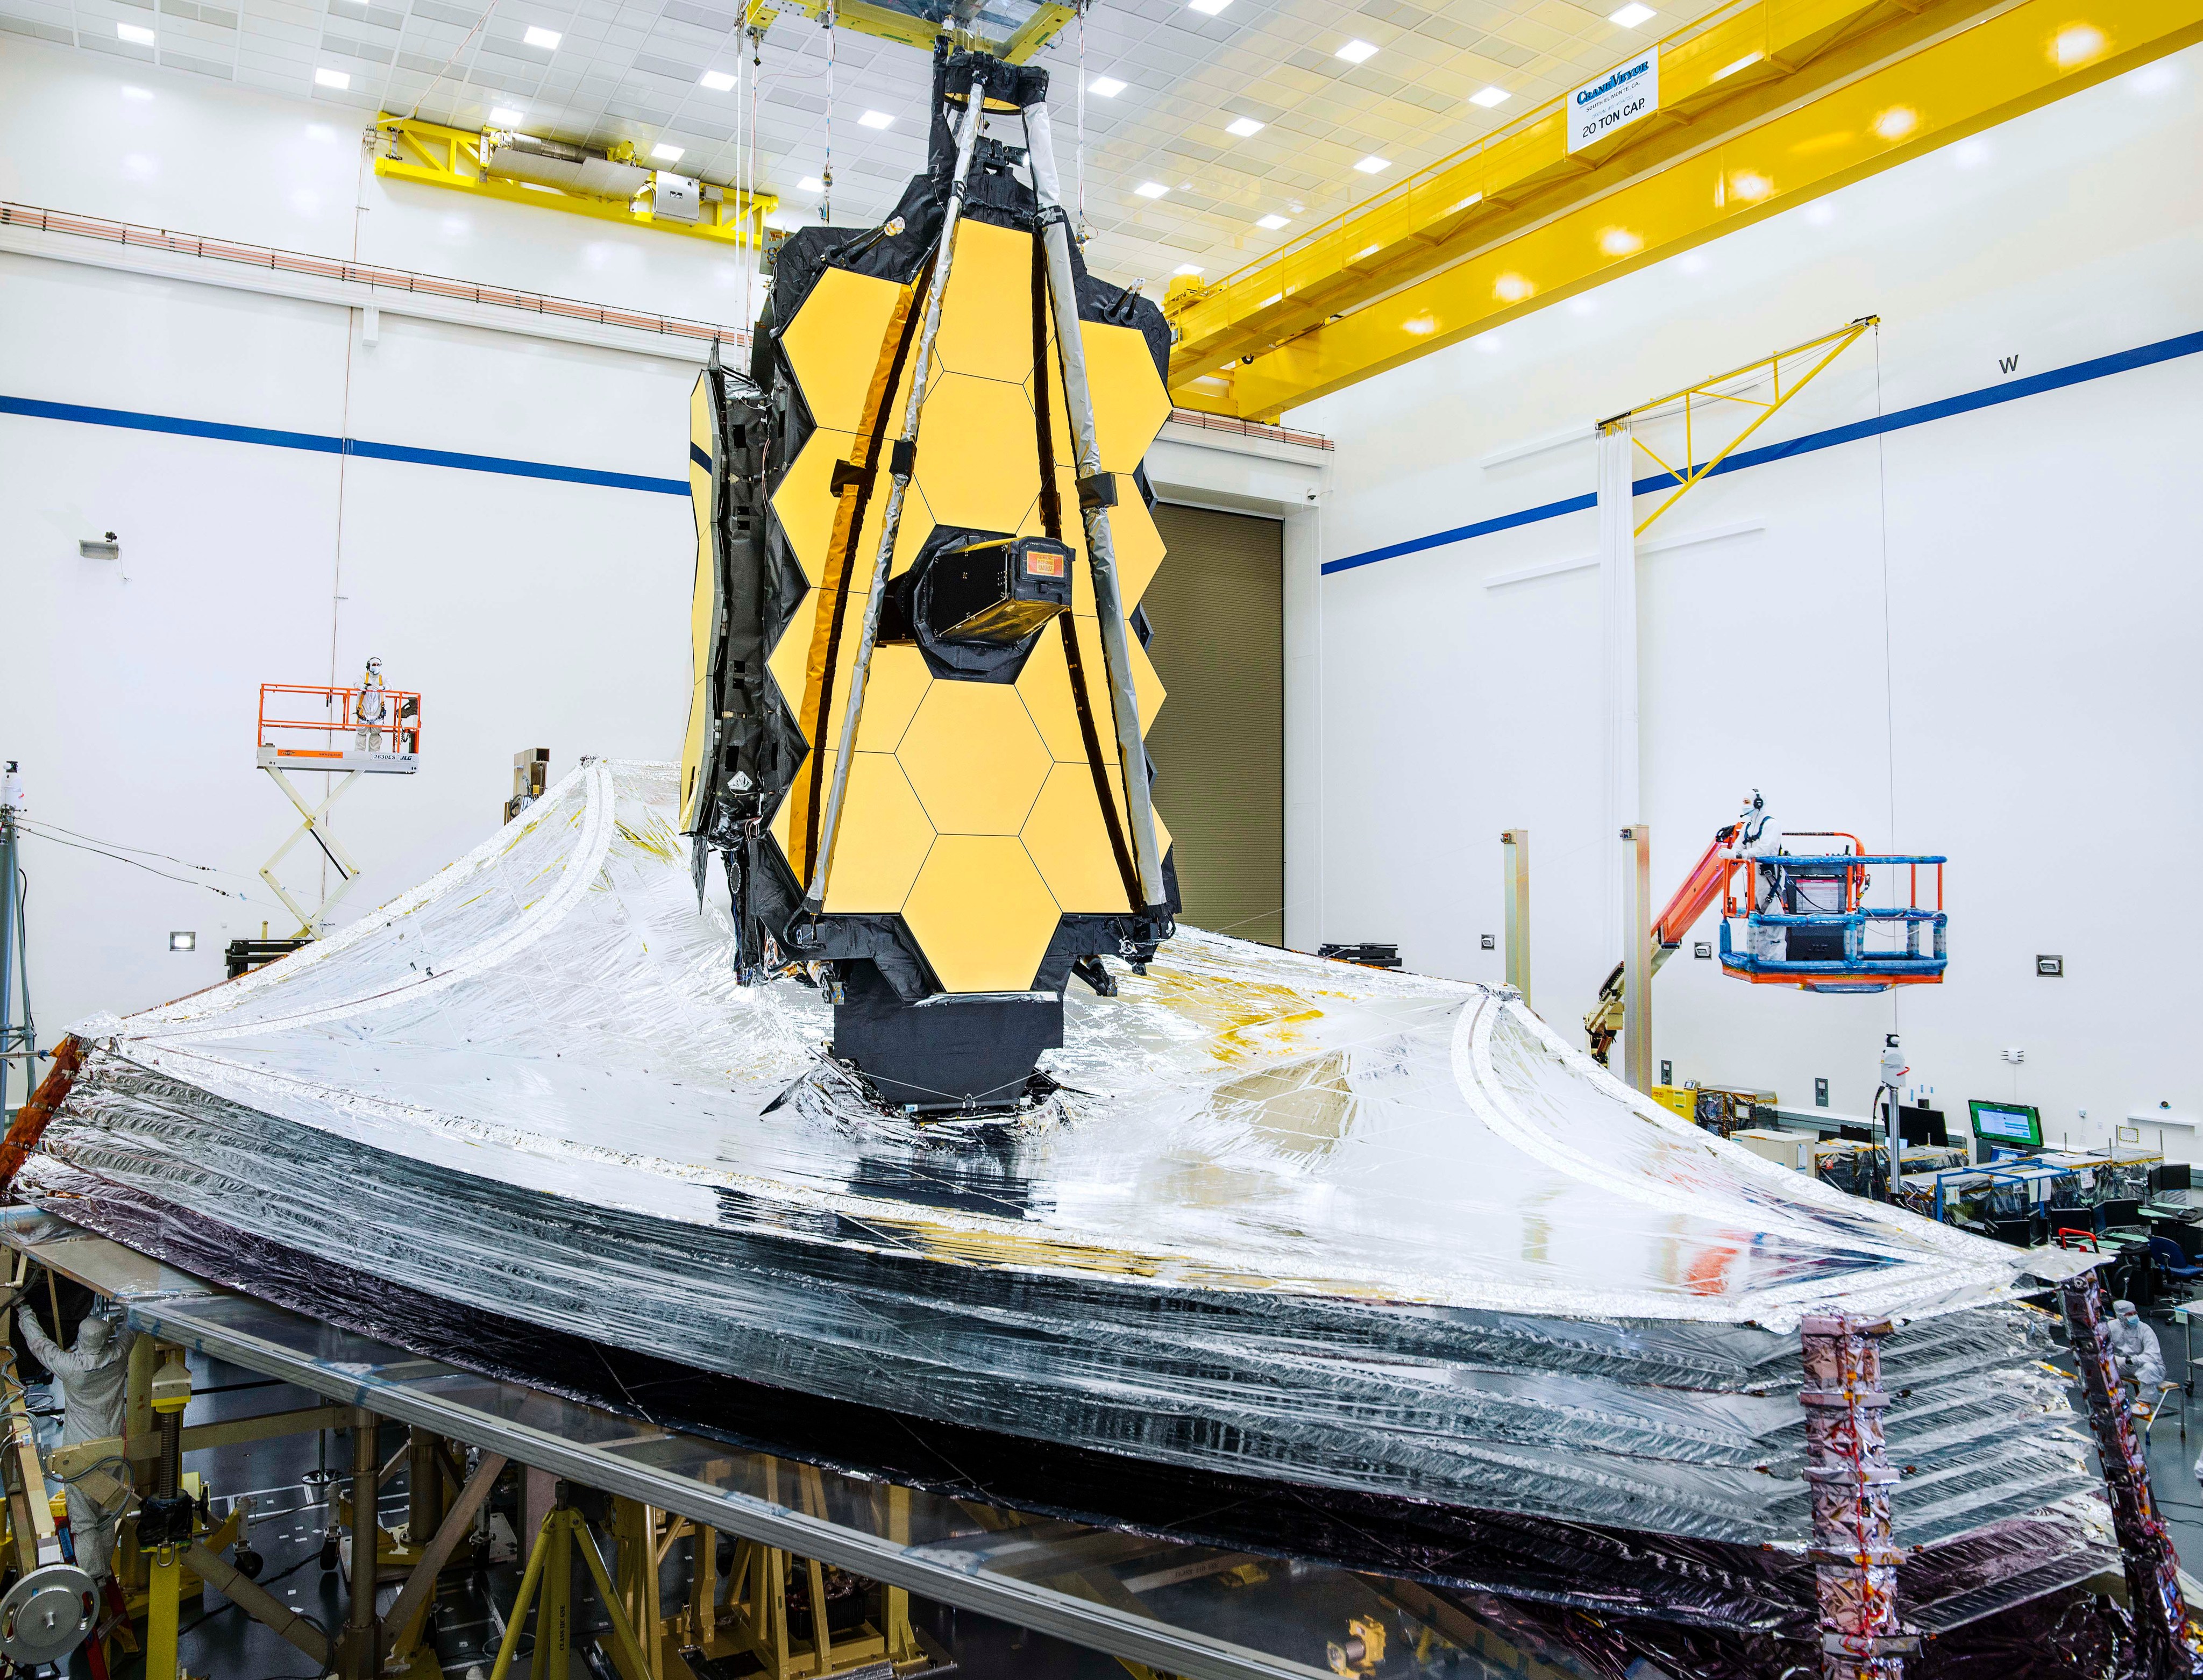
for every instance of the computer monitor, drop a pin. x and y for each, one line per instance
(1922, 1128)
(2009, 1125)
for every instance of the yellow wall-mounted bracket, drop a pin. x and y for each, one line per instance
(1803, 364)
(1772, 103)
(410, 148)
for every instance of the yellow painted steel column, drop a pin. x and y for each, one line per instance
(161, 1605)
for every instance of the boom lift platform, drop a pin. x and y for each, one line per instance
(1804, 916)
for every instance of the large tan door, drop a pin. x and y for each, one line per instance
(1219, 742)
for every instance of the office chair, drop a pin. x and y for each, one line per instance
(2165, 1255)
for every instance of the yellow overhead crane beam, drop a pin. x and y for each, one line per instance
(410, 148)
(1762, 107)
(888, 24)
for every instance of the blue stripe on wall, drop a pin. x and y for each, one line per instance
(2102, 367)
(316, 444)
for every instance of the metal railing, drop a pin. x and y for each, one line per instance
(1250, 428)
(360, 273)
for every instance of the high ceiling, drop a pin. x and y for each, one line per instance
(631, 70)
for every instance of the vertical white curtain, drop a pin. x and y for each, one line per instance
(1617, 599)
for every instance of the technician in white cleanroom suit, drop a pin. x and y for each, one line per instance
(92, 1376)
(371, 709)
(2134, 1347)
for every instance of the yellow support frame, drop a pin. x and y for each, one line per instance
(887, 24)
(1829, 346)
(1826, 93)
(410, 149)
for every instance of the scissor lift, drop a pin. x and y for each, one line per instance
(335, 743)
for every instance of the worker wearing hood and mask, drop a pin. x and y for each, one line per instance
(92, 1375)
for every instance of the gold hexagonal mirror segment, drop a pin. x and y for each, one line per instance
(841, 346)
(974, 758)
(980, 912)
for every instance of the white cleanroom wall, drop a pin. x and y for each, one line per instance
(1968, 635)
(530, 610)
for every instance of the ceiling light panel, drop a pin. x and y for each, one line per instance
(1244, 126)
(635, 75)
(1489, 97)
(548, 40)
(1356, 52)
(718, 81)
(1633, 16)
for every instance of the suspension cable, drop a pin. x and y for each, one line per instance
(1079, 155)
(826, 173)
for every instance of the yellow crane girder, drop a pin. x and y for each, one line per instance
(412, 149)
(1762, 109)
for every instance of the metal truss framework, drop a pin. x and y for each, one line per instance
(1730, 387)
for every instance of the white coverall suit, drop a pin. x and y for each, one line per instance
(371, 713)
(93, 1376)
(2141, 1361)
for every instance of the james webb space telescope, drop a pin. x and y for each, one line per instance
(922, 532)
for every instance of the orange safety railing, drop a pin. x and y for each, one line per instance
(398, 730)
(1855, 872)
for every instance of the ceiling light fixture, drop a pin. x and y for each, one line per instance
(1244, 126)
(874, 120)
(1631, 16)
(1207, 8)
(1105, 88)
(1489, 97)
(1355, 52)
(666, 154)
(325, 78)
(1151, 189)
(810, 184)
(1271, 223)
(134, 33)
(1372, 165)
(505, 117)
(1193, 268)
(548, 40)
(717, 80)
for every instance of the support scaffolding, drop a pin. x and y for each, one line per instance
(2167, 1638)
(1848, 1470)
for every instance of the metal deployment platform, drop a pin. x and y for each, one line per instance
(1180, 1608)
